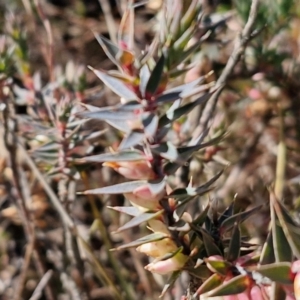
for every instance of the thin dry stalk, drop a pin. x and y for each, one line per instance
(25, 266)
(67, 221)
(281, 159)
(109, 19)
(42, 284)
(238, 50)
(50, 47)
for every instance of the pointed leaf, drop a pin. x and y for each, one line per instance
(144, 78)
(234, 286)
(240, 217)
(175, 114)
(121, 125)
(267, 253)
(167, 97)
(129, 210)
(201, 218)
(117, 86)
(120, 188)
(52, 146)
(140, 219)
(227, 213)
(129, 155)
(166, 150)
(209, 284)
(156, 76)
(201, 272)
(220, 266)
(134, 138)
(278, 272)
(282, 249)
(197, 90)
(110, 49)
(286, 223)
(210, 246)
(153, 237)
(110, 113)
(235, 244)
(157, 186)
(150, 123)
(187, 151)
(170, 283)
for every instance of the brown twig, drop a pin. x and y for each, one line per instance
(67, 221)
(42, 284)
(22, 194)
(25, 266)
(238, 50)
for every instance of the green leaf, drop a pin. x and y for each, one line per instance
(120, 188)
(52, 146)
(144, 78)
(234, 286)
(110, 49)
(166, 150)
(235, 244)
(182, 193)
(150, 123)
(287, 223)
(129, 210)
(134, 138)
(156, 76)
(209, 244)
(240, 217)
(116, 85)
(220, 266)
(196, 90)
(186, 152)
(172, 115)
(129, 155)
(201, 272)
(121, 125)
(282, 249)
(201, 218)
(182, 88)
(267, 253)
(228, 212)
(144, 217)
(167, 97)
(209, 284)
(153, 237)
(168, 255)
(191, 15)
(106, 114)
(279, 272)
(170, 283)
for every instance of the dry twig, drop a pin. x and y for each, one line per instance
(238, 50)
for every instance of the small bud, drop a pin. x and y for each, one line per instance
(158, 248)
(133, 169)
(143, 197)
(172, 264)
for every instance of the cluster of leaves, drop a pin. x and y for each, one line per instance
(210, 247)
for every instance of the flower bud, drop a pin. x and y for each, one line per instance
(158, 248)
(172, 264)
(140, 169)
(143, 198)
